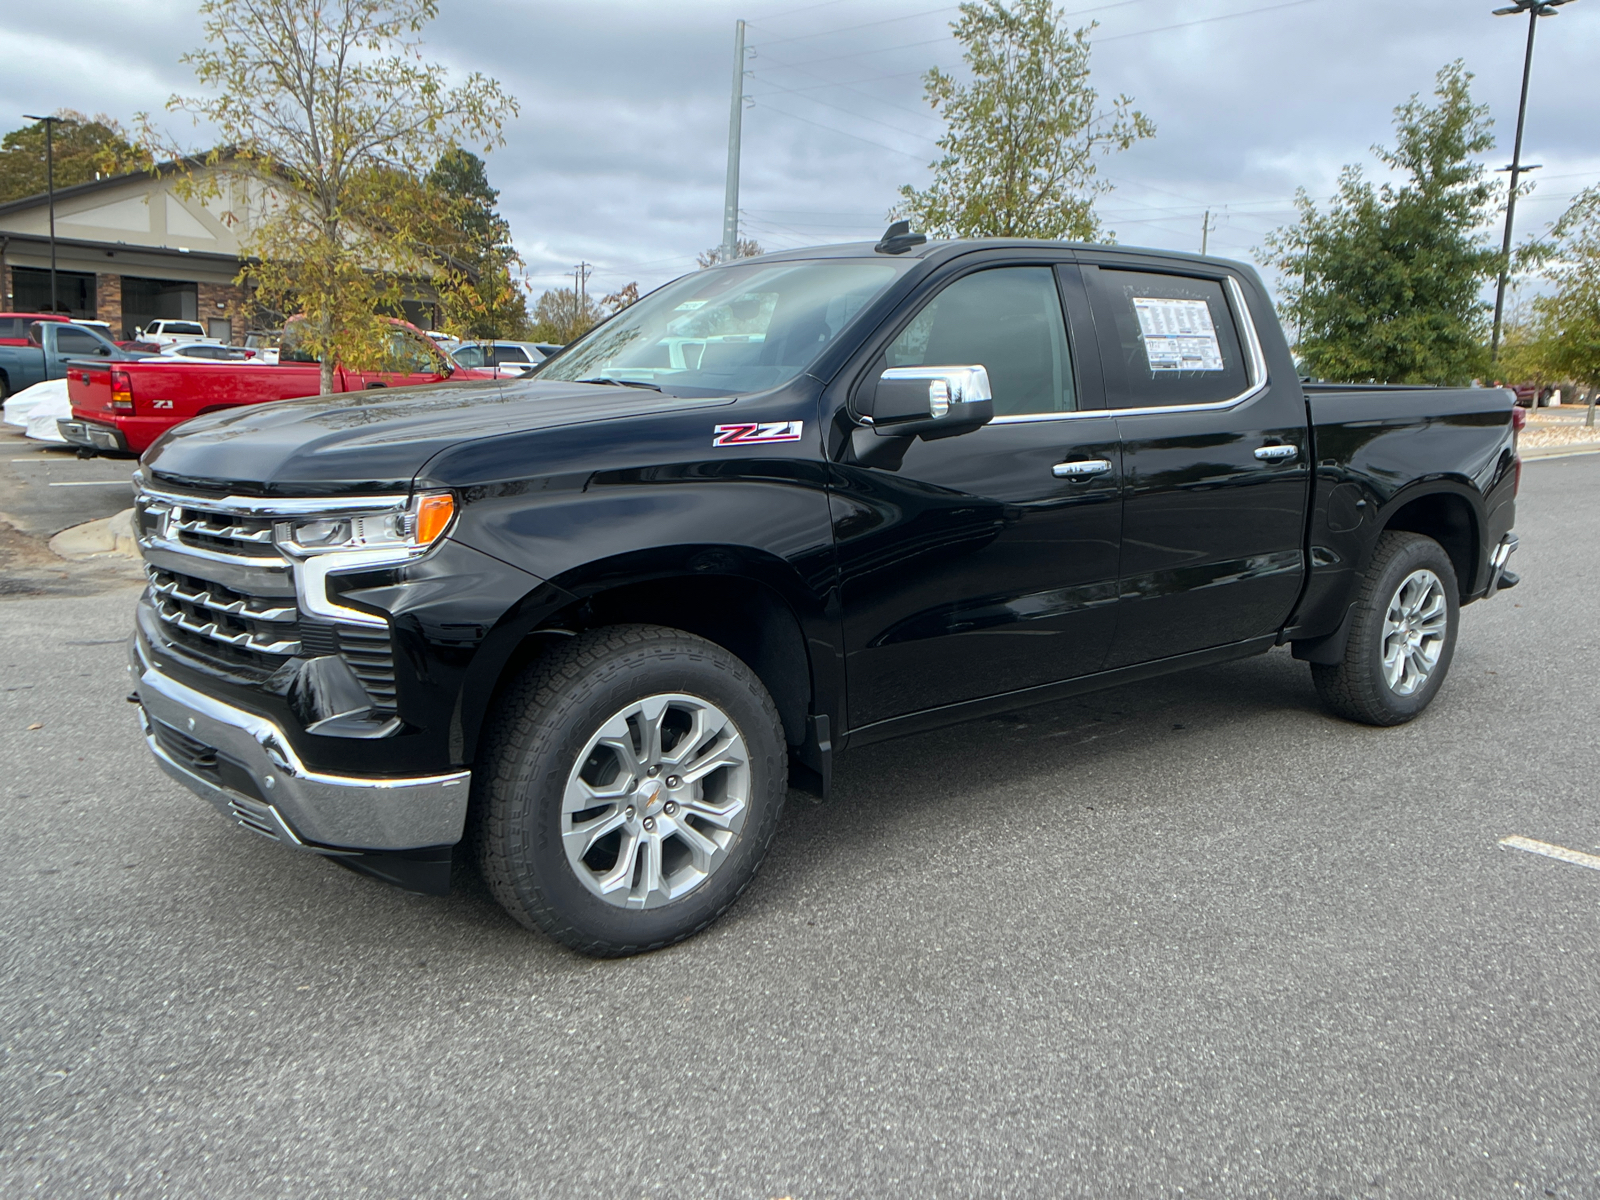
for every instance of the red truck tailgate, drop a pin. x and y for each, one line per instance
(89, 389)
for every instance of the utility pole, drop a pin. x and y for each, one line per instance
(580, 285)
(50, 187)
(1205, 230)
(1535, 9)
(730, 200)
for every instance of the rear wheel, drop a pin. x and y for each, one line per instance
(1402, 634)
(631, 783)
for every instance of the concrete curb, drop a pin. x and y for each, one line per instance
(1533, 455)
(109, 537)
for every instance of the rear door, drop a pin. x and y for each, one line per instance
(981, 565)
(1214, 459)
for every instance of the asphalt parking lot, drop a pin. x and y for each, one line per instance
(45, 488)
(1189, 938)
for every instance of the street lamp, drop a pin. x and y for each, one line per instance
(1535, 9)
(50, 124)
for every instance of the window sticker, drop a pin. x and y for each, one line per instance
(1178, 334)
(690, 306)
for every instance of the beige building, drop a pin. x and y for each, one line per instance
(132, 248)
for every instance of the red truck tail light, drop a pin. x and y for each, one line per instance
(1519, 418)
(121, 392)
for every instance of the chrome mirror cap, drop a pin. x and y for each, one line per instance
(946, 385)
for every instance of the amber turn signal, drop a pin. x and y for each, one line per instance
(433, 516)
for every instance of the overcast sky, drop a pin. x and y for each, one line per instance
(618, 155)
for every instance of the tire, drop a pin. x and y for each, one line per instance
(1407, 579)
(612, 865)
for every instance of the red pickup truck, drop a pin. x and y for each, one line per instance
(126, 406)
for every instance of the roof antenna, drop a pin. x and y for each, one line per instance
(898, 238)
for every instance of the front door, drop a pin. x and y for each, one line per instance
(1216, 478)
(983, 565)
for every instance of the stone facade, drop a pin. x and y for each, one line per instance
(222, 302)
(108, 302)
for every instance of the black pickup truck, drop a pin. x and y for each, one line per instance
(587, 625)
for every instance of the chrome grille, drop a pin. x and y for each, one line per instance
(260, 625)
(225, 594)
(226, 533)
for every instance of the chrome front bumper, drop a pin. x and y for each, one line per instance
(247, 769)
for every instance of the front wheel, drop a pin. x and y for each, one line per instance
(1402, 634)
(632, 780)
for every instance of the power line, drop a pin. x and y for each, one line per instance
(1249, 12)
(874, 120)
(801, 37)
(841, 132)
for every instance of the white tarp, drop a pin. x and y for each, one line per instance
(43, 416)
(19, 406)
(1178, 334)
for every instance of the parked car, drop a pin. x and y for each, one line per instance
(19, 407)
(125, 407)
(208, 351)
(505, 359)
(49, 404)
(14, 326)
(780, 508)
(170, 333)
(44, 355)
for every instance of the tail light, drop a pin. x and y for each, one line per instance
(1519, 418)
(121, 392)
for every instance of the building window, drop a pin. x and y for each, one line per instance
(146, 300)
(30, 292)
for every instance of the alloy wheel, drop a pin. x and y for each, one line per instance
(656, 800)
(1414, 629)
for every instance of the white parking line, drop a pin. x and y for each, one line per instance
(1575, 857)
(94, 483)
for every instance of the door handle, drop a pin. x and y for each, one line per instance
(1276, 453)
(1082, 468)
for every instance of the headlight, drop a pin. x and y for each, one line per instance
(421, 523)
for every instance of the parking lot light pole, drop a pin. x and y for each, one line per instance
(1535, 9)
(50, 188)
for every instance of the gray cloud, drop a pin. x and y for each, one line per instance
(617, 157)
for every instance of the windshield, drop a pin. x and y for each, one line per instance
(731, 330)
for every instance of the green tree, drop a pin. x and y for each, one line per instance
(482, 300)
(1567, 320)
(1021, 139)
(744, 248)
(1386, 284)
(84, 149)
(332, 119)
(562, 314)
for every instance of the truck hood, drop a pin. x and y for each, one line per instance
(368, 441)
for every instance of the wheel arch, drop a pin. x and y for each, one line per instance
(757, 610)
(1446, 512)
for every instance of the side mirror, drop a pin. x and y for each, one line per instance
(927, 402)
(917, 402)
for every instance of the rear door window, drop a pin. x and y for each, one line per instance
(1165, 339)
(509, 354)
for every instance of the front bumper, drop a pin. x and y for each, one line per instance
(92, 436)
(246, 767)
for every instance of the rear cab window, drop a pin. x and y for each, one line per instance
(1166, 339)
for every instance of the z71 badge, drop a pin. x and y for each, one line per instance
(751, 432)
